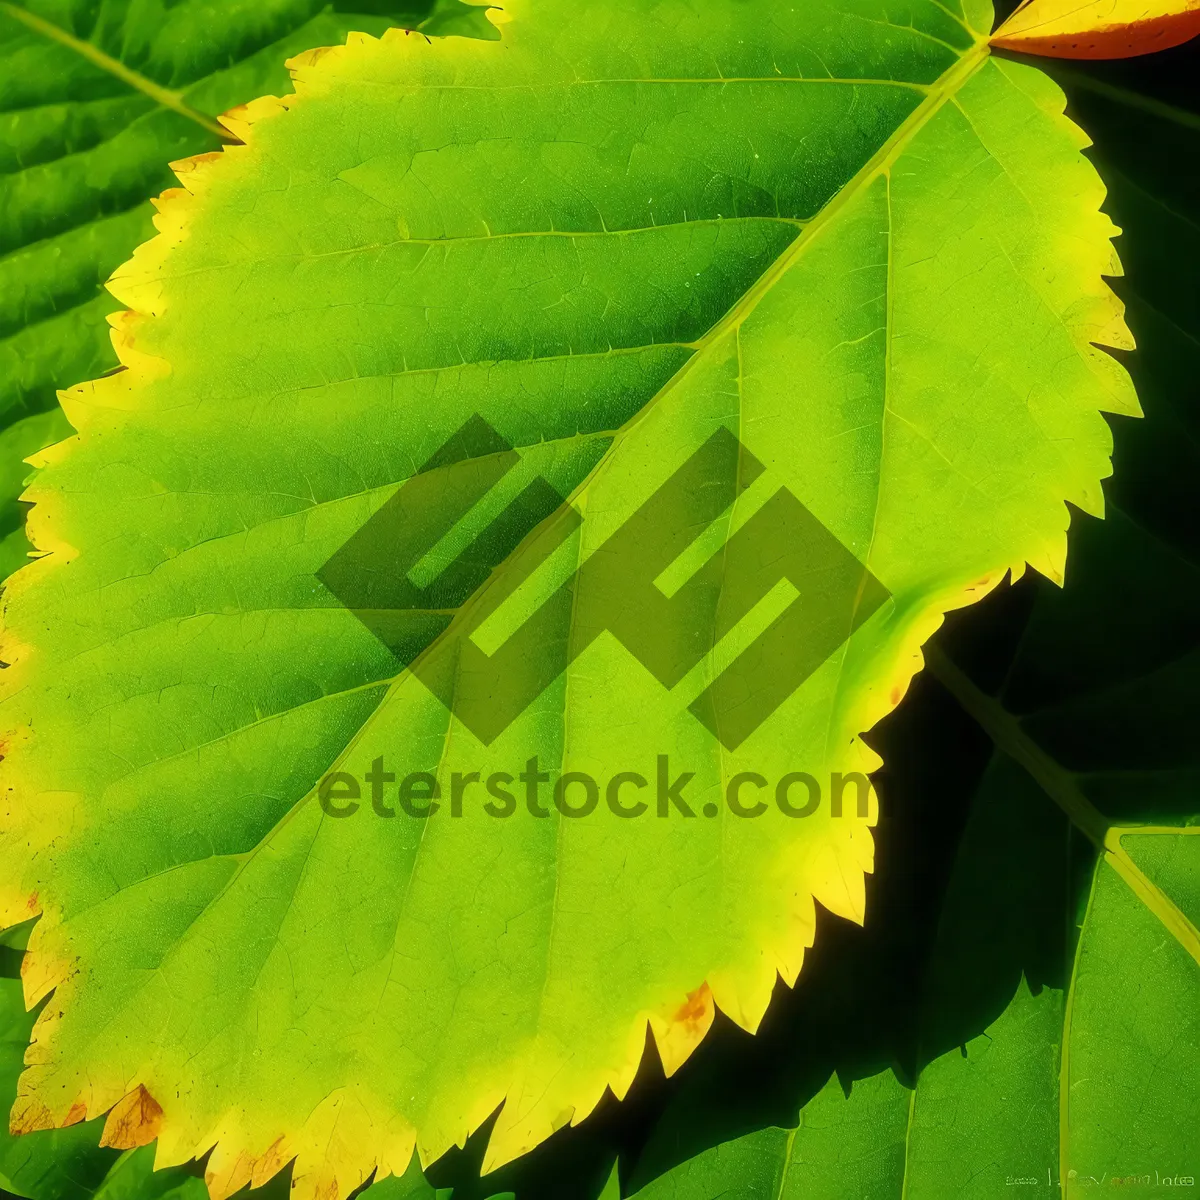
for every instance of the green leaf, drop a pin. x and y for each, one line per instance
(412, 1185)
(987, 1118)
(93, 107)
(850, 240)
(133, 1177)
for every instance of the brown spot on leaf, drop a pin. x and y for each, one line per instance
(134, 1121)
(194, 161)
(32, 903)
(683, 1030)
(327, 1190)
(695, 1013)
(29, 1116)
(168, 196)
(272, 1162)
(78, 1113)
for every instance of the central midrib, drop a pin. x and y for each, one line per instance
(939, 93)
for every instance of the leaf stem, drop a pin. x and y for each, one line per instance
(1005, 731)
(159, 94)
(1150, 894)
(1063, 788)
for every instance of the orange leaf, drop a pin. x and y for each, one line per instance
(1098, 28)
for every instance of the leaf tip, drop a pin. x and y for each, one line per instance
(133, 1121)
(680, 1034)
(29, 1116)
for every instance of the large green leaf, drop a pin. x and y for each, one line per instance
(841, 233)
(93, 106)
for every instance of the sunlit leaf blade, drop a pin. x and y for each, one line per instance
(93, 106)
(1099, 28)
(859, 245)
